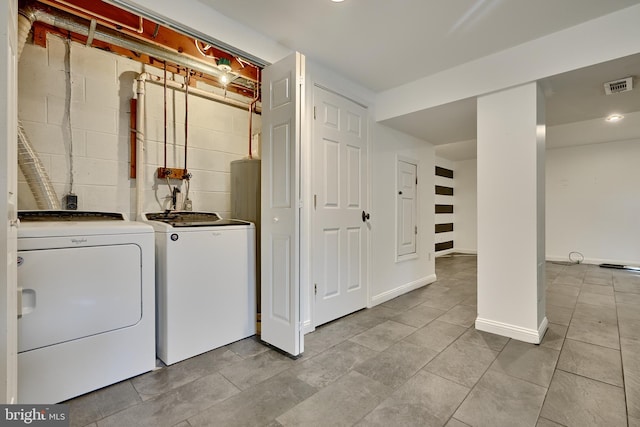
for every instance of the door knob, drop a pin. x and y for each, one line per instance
(399, 192)
(365, 216)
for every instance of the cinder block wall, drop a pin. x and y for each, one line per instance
(101, 86)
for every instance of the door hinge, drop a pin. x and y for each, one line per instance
(416, 180)
(416, 229)
(19, 303)
(314, 112)
(315, 201)
(301, 80)
(315, 289)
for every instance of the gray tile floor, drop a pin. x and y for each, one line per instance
(414, 361)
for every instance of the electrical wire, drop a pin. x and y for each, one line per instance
(187, 79)
(203, 50)
(69, 83)
(575, 258)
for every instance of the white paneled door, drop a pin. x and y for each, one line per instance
(340, 215)
(8, 201)
(282, 102)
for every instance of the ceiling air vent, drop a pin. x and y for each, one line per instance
(617, 86)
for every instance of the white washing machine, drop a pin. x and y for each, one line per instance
(205, 282)
(88, 303)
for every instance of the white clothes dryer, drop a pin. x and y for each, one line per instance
(88, 303)
(205, 282)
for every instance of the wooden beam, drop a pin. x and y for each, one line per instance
(41, 30)
(151, 32)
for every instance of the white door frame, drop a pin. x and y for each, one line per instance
(8, 202)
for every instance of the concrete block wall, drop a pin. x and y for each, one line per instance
(102, 85)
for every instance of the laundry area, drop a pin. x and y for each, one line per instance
(131, 254)
(330, 212)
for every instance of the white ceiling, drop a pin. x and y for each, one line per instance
(381, 44)
(570, 97)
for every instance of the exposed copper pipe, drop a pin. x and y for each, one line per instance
(256, 95)
(165, 113)
(187, 78)
(250, 128)
(251, 106)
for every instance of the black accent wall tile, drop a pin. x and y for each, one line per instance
(444, 191)
(444, 209)
(444, 228)
(444, 246)
(447, 173)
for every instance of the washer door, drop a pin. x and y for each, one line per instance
(71, 293)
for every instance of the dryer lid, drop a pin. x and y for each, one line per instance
(192, 219)
(37, 224)
(76, 216)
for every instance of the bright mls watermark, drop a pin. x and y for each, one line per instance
(34, 415)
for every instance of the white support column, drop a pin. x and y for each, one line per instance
(511, 213)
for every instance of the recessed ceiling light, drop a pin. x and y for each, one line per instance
(337, 1)
(615, 118)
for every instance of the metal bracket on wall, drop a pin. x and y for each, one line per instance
(171, 173)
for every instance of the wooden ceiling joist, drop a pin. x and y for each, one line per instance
(146, 31)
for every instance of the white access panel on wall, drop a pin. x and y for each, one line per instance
(407, 209)
(282, 95)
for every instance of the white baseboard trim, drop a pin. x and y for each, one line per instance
(519, 333)
(466, 251)
(307, 327)
(400, 290)
(595, 261)
(445, 252)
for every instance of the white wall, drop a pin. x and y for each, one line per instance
(592, 202)
(390, 278)
(103, 84)
(466, 206)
